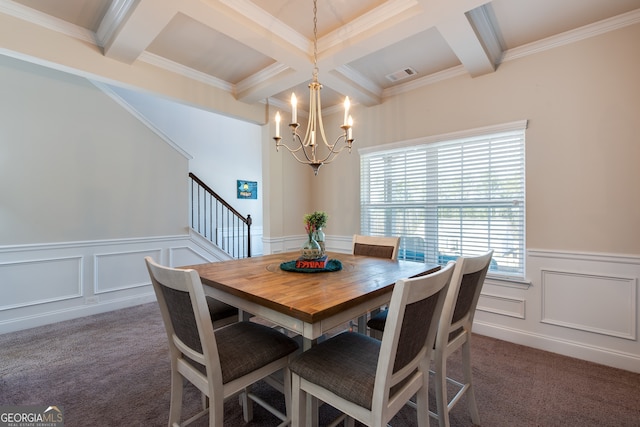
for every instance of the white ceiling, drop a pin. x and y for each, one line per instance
(259, 49)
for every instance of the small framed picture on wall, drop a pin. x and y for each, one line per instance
(247, 189)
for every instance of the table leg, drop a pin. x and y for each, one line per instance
(362, 324)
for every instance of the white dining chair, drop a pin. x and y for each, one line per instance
(371, 380)
(221, 363)
(454, 331)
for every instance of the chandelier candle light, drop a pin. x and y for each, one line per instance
(305, 150)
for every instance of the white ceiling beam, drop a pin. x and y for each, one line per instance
(360, 89)
(486, 32)
(113, 19)
(451, 20)
(267, 83)
(139, 29)
(462, 39)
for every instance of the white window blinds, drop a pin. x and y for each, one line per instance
(450, 198)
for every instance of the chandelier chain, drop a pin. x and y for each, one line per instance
(315, 39)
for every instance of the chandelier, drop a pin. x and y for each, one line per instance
(308, 150)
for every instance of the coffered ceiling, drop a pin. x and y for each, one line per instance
(367, 49)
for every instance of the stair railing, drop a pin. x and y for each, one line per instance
(218, 221)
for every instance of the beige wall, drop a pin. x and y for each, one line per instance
(68, 174)
(582, 102)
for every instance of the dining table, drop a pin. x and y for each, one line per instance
(307, 303)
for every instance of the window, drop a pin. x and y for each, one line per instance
(455, 195)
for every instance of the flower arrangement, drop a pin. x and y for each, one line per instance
(315, 220)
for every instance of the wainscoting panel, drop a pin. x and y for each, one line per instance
(36, 278)
(506, 306)
(579, 304)
(47, 283)
(118, 271)
(186, 256)
(600, 304)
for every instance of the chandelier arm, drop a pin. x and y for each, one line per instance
(294, 151)
(305, 162)
(291, 150)
(333, 152)
(303, 146)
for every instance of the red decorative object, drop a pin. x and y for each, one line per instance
(312, 263)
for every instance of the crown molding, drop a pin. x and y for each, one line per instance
(572, 36)
(263, 75)
(47, 21)
(357, 78)
(182, 70)
(430, 79)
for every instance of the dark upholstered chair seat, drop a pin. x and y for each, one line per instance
(244, 347)
(220, 310)
(345, 364)
(378, 321)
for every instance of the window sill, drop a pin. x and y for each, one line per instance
(510, 282)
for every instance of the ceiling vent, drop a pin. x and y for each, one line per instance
(402, 74)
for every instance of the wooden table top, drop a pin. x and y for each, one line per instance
(309, 297)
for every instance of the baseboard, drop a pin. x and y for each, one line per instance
(46, 318)
(603, 356)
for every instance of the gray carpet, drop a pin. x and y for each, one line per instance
(112, 369)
